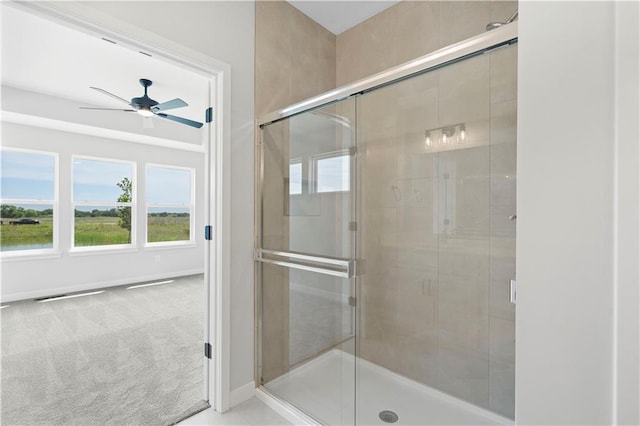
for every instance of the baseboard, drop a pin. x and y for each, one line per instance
(95, 285)
(242, 394)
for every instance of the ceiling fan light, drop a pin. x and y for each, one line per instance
(145, 112)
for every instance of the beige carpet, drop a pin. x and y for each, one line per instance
(123, 357)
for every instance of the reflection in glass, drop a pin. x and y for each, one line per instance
(295, 178)
(333, 173)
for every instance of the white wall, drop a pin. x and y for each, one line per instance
(222, 31)
(627, 337)
(28, 277)
(567, 269)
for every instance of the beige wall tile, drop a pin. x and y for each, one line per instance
(418, 357)
(418, 29)
(349, 46)
(463, 374)
(462, 19)
(501, 10)
(504, 72)
(379, 41)
(295, 57)
(502, 389)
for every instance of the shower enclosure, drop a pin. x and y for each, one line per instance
(386, 243)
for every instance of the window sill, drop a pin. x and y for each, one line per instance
(170, 245)
(102, 250)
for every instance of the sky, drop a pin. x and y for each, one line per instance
(26, 175)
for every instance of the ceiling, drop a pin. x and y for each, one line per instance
(45, 57)
(41, 56)
(339, 16)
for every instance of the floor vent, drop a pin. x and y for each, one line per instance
(40, 299)
(388, 416)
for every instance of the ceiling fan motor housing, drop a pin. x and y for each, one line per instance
(144, 101)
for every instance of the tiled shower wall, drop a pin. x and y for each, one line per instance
(411, 29)
(295, 57)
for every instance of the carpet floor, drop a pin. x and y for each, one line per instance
(122, 357)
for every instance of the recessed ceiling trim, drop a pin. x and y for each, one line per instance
(84, 129)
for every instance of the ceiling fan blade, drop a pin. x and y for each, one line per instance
(104, 92)
(174, 103)
(109, 109)
(180, 120)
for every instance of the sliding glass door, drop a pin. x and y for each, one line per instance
(307, 262)
(416, 180)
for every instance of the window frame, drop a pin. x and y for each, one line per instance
(192, 208)
(54, 250)
(73, 250)
(292, 162)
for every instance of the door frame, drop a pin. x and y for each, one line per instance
(90, 21)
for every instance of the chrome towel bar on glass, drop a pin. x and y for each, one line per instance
(345, 268)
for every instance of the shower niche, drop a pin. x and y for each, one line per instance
(386, 246)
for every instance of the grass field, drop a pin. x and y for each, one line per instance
(14, 237)
(91, 231)
(167, 229)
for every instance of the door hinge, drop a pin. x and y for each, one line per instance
(207, 350)
(353, 226)
(209, 115)
(208, 232)
(512, 291)
(352, 301)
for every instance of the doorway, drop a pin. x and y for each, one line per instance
(158, 150)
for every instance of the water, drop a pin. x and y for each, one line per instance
(20, 247)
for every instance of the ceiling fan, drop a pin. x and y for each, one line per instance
(147, 107)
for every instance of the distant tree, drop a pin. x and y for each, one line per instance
(8, 211)
(124, 213)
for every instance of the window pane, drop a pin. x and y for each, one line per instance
(102, 225)
(333, 174)
(95, 180)
(27, 176)
(168, 224)
(295, 178)
(166, 185)
(26, 227)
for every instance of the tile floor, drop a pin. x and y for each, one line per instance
(252, 412)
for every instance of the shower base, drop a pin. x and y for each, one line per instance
(324, 388)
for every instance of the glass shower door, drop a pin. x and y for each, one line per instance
(438, 205)
(306, 262)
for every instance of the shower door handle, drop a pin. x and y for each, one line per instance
(337, 267)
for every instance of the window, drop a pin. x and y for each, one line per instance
(103, 202)
(28, 201)
(295, 177)
(333, 172)
(169, 196)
